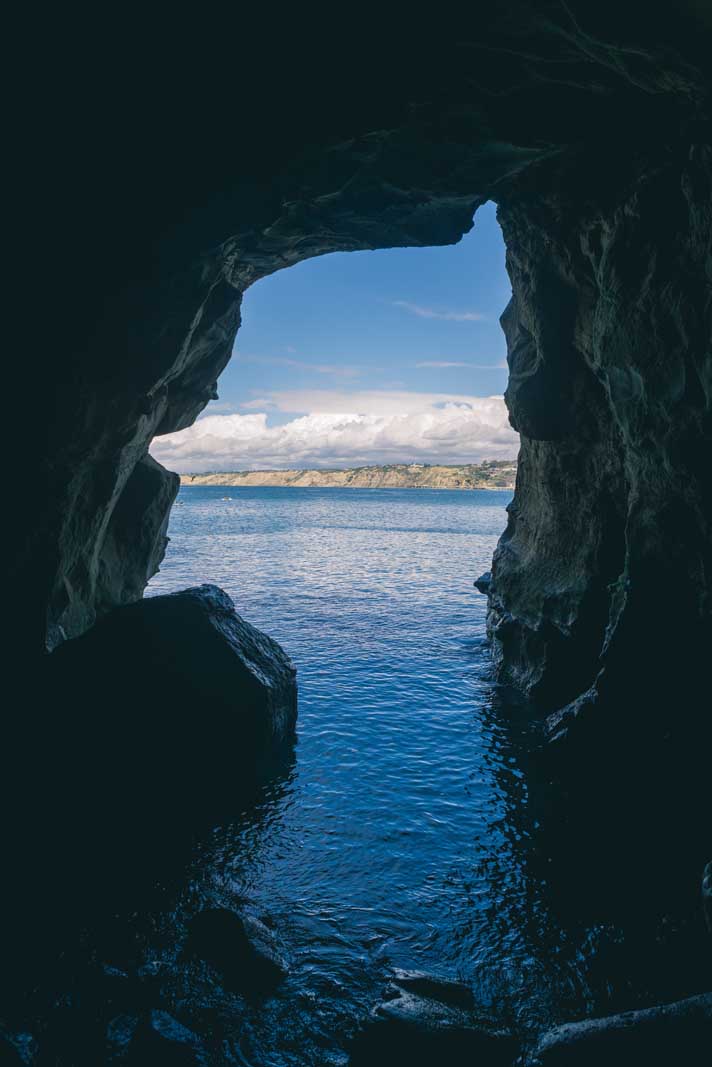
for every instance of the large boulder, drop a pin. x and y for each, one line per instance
(186, 674)
(679, 1033)
(163, 719)
(427, 1020)
(242, 949)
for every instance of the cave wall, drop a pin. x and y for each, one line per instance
(212, 159)
(601, 582)
(164, 166)
(106, 529)
(606, 561)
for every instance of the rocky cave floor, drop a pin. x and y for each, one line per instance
(177, 981)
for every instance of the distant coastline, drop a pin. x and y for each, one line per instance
(491, 474)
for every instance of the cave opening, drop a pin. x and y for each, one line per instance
(296, 855)
(590, 126)
(394, 828)
(354, 583)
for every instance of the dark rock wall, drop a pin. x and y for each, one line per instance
(607, 558)
(164, 166)
(192, 161)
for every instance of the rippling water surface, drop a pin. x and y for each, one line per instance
(394, 839)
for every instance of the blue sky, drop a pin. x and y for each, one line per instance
(364, 357)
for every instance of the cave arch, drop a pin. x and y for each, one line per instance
(165, 167)
(580, 123)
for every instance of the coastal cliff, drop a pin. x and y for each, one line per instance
(494, 474)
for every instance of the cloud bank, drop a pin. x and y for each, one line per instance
(410, 427)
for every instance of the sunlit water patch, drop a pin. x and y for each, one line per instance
(396, 838)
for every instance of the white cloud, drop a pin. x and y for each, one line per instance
(426, 427)
(434, 313)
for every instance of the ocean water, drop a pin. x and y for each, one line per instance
(398, 836)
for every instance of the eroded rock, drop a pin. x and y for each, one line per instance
(391, 164)
(432, 987)
(161, 1039)
(707, 895)
(242, 949)
(9, 1056)
(609, 386)
(119, 1032)
(657, 1037)
(135, 539)
(14, 1052)
(166, 716)
(426, 1020)
(484, 583)
(170, 662)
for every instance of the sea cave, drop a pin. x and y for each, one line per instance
(168, 168)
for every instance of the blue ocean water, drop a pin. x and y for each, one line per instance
(396, 838)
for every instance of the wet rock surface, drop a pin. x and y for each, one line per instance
(14, 1052)
(425, 1020)
(483, 584)
(160, 1039)
(707, 895)
(177, 991)
(671, 1033)
(240, 947)
(431, 987)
